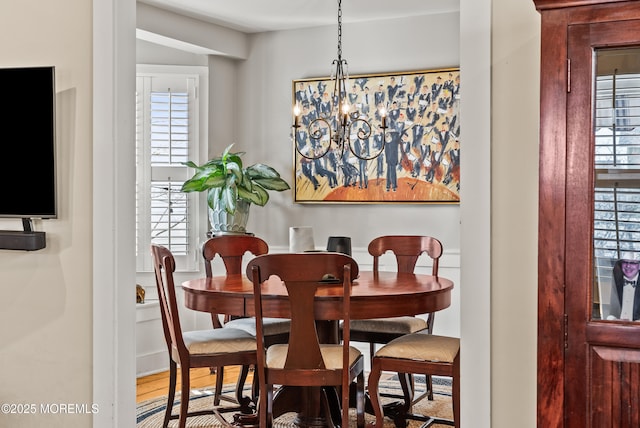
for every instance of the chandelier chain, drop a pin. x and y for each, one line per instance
(338, 122)
(339, 30)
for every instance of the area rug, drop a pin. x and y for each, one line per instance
(150, 413)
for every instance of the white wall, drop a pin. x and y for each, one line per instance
(514, 208)
(264, 106)
(46, 306)
(152, 53)
(250, 105)
(475, 213)
(113, 197)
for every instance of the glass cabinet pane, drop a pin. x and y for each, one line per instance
(616, 233)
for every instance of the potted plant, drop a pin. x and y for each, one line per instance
(231, 189)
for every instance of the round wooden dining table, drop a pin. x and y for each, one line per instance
(373, 295)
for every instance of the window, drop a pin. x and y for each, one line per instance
(167, 130)
(617, 161)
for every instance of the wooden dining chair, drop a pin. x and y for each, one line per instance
(205, 348)
(407, 250)
(232, 249)
(304, 361)
(417, 353)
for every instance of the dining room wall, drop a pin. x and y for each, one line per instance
(263, 120)
(250, 105)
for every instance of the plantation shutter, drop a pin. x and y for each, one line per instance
(166, 137)
(617, 181)
(617, 158)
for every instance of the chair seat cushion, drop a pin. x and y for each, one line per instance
(271, 326)
(422, 346)
(331, 354)
(219, 341)
(397, 325)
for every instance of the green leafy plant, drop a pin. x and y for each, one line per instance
(225, 180)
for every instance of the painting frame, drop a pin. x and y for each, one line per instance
(423, 128)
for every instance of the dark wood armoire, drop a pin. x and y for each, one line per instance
(589, 214)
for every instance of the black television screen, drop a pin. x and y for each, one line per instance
(27, 140)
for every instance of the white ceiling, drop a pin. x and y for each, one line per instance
(251, 16)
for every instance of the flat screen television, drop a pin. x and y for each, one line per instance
(27, 141)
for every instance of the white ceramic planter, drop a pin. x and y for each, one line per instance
(224, 223)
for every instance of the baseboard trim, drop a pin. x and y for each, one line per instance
(152, 363)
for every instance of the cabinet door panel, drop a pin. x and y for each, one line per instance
(615, 374)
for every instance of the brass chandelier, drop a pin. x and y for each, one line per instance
(342, 126)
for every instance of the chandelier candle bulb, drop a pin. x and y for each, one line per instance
(383, 118)
(296, 114)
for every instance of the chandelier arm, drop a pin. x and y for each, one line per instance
(314, 136)
(363, 135)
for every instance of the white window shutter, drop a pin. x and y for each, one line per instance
(166, 137)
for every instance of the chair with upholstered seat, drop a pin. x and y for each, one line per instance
(407, 250)
(417, 353)
(231, 249)
(204, 348)
(304, 362)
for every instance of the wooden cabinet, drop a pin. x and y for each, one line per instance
(589, 188)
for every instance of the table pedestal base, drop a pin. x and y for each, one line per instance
(305, 401)
(316, 406)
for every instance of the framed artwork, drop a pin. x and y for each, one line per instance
(419, 161)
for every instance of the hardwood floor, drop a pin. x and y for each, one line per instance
(157, 385)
